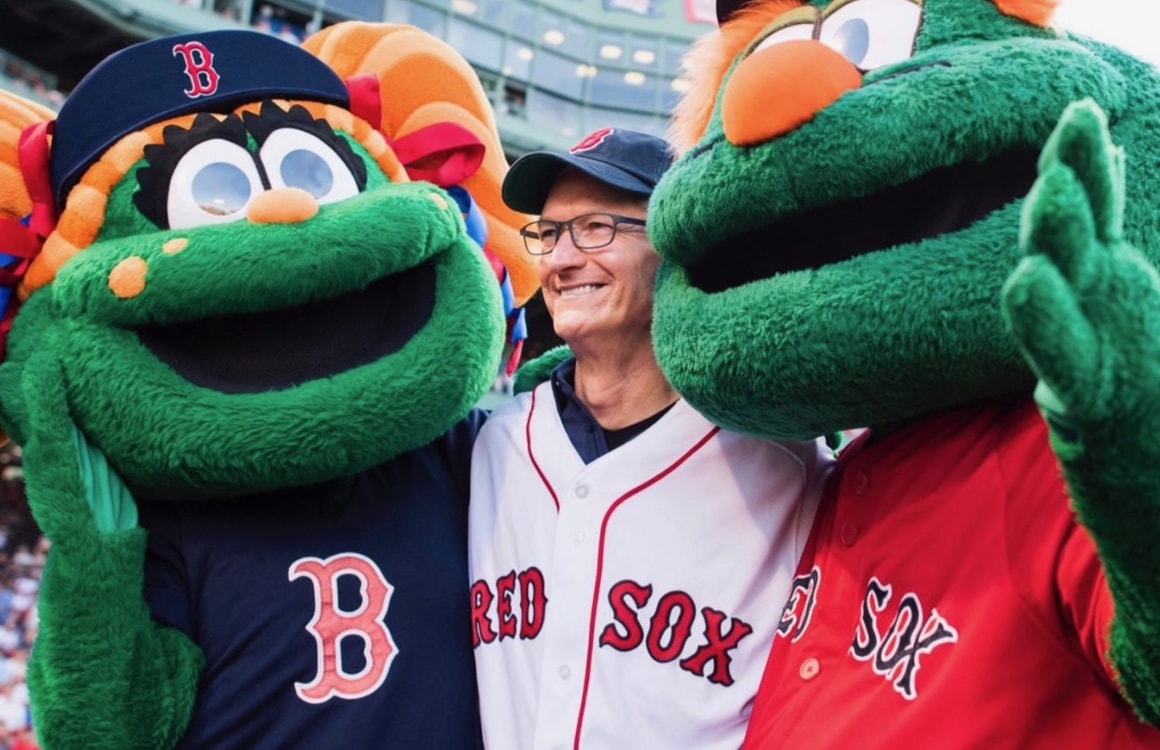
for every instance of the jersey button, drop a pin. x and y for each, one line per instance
(581, 491)
(565, 672)
(861, 483)
(810, 668)
(849, 533)
(579, 537)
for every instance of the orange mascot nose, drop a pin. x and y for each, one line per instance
(282, 206)
(776, 89)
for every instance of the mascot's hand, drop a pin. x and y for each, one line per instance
(538, 370)
(1085, 308)
(58, 456)
(1083, 304)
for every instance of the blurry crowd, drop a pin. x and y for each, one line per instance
(22, 554)
(22, 78)
(29, 81)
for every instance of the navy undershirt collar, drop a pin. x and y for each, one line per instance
(590, 440)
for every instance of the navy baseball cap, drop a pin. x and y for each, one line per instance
(624, 159)
(204, 71)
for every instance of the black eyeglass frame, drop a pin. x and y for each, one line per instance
(529, 234)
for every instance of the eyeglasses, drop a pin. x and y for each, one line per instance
(588, 232)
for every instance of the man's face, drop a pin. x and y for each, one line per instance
(605, 291)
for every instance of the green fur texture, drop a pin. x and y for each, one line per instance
(167, 436)
(1085, 308)
(895, 331)
(108, 700)
(881, 334)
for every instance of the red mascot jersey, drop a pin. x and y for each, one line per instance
(947, 599)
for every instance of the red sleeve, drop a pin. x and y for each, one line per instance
(1052, 558)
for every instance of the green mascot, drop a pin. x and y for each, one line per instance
(248, 316)
(936, 219)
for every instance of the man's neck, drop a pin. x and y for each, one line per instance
(621, 391)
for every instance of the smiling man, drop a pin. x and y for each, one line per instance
(621, 546)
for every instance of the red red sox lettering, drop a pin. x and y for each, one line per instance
(531, 616)
(669, 628)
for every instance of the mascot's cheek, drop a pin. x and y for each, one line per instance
(776, 89)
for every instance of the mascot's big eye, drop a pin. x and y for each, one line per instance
(295, 158)
(212, 184)
(872, 33)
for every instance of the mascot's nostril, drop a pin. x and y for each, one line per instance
(779, 88)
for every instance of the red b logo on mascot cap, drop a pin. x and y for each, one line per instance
(203, 79)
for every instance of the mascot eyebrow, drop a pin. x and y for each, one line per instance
(250, 134)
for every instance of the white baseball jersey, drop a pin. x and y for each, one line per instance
(630, 602)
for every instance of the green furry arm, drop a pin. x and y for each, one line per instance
(102, 673)
(1085, 308)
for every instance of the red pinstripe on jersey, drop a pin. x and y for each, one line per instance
(603, 531)
(532, 455)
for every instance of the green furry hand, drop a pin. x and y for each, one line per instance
(539, 370)
(1085, 308)
(57, 452)
(1084, 305)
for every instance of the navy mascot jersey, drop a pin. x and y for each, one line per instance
(330, 616)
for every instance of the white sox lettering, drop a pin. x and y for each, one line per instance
(330, 625)
(895, 653)
(799, 605)
(670, 628)
(533, 605)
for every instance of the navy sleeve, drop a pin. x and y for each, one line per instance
(166, 589)
(455, 448)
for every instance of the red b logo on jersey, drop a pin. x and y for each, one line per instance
(330, 624)
(203, 79)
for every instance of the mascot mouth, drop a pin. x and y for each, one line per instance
(278, 349)
(942, 201)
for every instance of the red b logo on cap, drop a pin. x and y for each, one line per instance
(591, 140)
(203, 79)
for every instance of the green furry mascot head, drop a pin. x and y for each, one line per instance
(895, 213)
(243, 289)
(846, 209)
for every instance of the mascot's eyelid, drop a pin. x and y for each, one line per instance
(872, 34)
(271, 118)
(837, 5)
(178, 141)
(799, 23)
